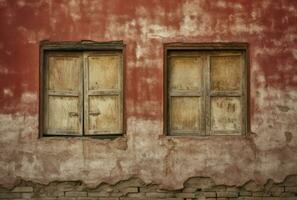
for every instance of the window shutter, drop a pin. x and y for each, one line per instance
(103, 103)
(186, 93)
(63, 94)
(226, 93)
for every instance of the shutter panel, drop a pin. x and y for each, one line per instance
(103, 93)
(226, 93)
(63, 99)
(186, 94)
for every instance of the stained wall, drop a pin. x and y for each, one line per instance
(268, 152)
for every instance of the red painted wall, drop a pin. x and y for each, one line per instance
(269, 152)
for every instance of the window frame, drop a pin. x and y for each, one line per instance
(70, 46)
(204, 47)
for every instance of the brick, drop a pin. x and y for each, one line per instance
(232, 189)
(218, 188)
(277, 189)
(158, 195)
(4, 190)
(190, 189)
(129, 189)
(152, 188)
(22, 189)
(245, 193)
(98, 194)
(210, 194)
(261, 194)
(271, 198)
(85, 198)
(9, 195)
(118, 194)
(51, 198)
(108, 198)
(291, 189)
(205, 194)
(288, 194)
(136, 195)
(227, 194)
(76, 194)
(66, 198)
(246, 198)
(185, 195)
(250, 198)
(27, 195)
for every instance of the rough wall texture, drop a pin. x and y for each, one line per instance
(196, 188)
(269, 152)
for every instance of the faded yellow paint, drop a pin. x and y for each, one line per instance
(226, 114)
(63, 114)
(104, 113)
(104, 72)
(226, 73)
(64, 72)
(186, 113)
(186, 73)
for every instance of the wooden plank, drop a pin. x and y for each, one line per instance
(86, 93)
(104, 72)
(61, 132)
(104, 114)
(226, 114)
(103, 107)
(106, 133)
(63, 114)
(104, 92)
(225, 93)
(229, 132)
(84, 45)
(64, 72)
(185, 114)
(207, 95)
(244, 98)
(223, 46)
(185, 93)
(63, 94)
(185, 73)
(225, 73)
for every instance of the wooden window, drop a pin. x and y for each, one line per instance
(81, 91)
(206, 86)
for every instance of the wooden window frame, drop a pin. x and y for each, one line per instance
(205, 47)
(69, 46)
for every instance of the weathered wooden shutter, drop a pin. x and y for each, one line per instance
(63, 94)
(226, 93)
(186, 93)
(103, 104)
